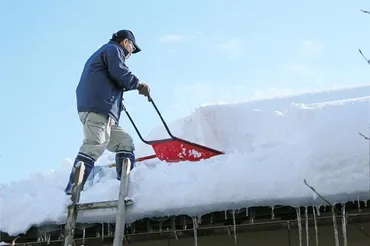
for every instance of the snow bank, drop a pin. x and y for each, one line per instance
(271, 146)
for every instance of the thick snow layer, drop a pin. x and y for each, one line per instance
(271, 146)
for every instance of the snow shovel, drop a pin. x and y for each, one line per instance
(174, 149)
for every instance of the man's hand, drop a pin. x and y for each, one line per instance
(144, 90)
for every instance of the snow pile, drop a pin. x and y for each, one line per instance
(271, 146)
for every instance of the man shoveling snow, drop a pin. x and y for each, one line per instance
(99, 103)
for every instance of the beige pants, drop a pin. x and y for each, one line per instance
(102, 133)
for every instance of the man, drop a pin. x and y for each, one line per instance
(99, 103)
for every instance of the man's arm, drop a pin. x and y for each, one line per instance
(118, 70)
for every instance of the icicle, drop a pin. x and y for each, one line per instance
(234, 224)
(246, 212)
(315, 223)
(299, 221)
(307, 236)
(211, 218)
(358, 204)
(199, 219)
(272, 213)
(228, 230)
(149, 226)
(173, 227)
(225, 215)
(102, 231)
(318, 210)
(125, 238)
(288, 223)
(44, 237)
(195, 227)
(49, 238)
(61, 234)
(184, 225)
(83, 236)
(109, 230)
(344, 224)
(335, 227)
(160, 226)
(251, 216)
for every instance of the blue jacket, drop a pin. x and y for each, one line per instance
(104, 78)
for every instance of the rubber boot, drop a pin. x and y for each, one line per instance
(120, 156)
(89, 165)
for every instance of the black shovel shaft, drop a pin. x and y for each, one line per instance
(160, 116)
(137, 130)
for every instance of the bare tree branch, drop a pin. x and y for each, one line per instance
(362, 135)
(362, 54)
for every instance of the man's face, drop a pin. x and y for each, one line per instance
(129, 46)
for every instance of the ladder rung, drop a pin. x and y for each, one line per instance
(97, 205)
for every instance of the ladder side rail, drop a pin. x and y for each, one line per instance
(72, 208)
(119, 233)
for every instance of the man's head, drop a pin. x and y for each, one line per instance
(127, 39)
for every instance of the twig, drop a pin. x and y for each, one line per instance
(366, 12)
(362, 54)
(362, 135)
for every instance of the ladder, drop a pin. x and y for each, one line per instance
(120, 204)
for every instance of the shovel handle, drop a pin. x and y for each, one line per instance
(160, 116)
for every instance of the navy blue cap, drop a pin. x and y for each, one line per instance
(122, 34)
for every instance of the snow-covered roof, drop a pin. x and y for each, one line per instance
(271, 146)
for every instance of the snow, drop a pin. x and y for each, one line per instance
(270, 147)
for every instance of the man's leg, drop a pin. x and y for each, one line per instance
(122, 144)
(97, 130)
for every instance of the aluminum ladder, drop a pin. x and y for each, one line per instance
(120, 204)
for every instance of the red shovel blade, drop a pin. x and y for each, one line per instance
(176, 150)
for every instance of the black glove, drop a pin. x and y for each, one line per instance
(144, 90)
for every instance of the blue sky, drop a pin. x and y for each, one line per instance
(193, 52)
